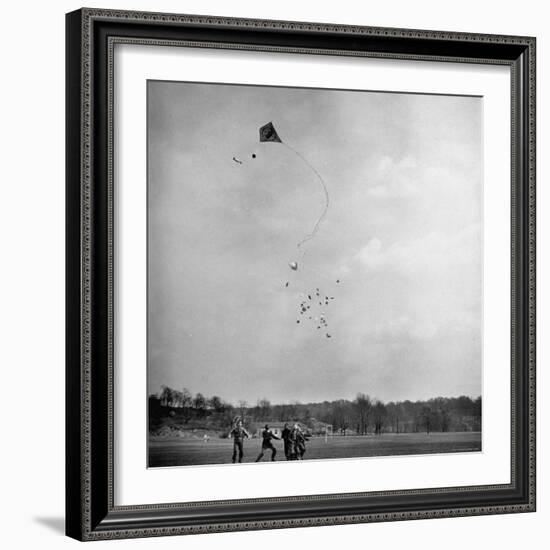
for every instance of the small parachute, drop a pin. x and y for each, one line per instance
(293, 266)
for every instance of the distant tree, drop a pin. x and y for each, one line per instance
(187, 398)
(216, 403)
(242, 408)
(362, 407)
(227, 416)
(281, 412)
(379, 414)
(292, 410)
(409, 413)
(178, 399)
(477, 407)
(393, 412)
(445, 419)
(341, 415)
(443, 414)
(264, 409)
(305, 415)
(426, 418)
(166, 396)
(465, 406)
(199, 402)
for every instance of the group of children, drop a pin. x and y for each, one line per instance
(294, 441)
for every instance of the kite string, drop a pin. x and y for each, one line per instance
(325, 190)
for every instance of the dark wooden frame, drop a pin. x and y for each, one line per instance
(90, 510)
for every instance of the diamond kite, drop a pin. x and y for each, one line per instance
(268, 133)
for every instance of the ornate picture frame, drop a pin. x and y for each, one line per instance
(91, 509)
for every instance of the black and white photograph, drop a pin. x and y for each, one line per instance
(300, 275)
(314, 273)
(270, 275)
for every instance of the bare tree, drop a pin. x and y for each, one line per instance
(426, 418)
(166, 396)
(199, 402)
(216, 403)
(392, 412)
(379, 414)
(187, 398)
(341, 415)
(242, 408)
(292, 410)
(362, 406)
(443, 414)
(264, 408)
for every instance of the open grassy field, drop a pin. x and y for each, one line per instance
(184, 452)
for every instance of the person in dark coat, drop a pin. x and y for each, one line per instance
(267, 436)
(285, 436)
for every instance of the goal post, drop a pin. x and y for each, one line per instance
(328, 431)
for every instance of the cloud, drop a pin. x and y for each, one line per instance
(403, 327)
(430, 252)
(431, 287)
(388, 164)
(420, 326)
(372, 255)
(395, 178)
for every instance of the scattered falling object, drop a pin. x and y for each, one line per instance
(237, 160)
(253, 155)
(337, 280)
(314, 311)
(293, 266)
(286, 284)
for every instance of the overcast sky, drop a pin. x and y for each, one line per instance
(402, 234)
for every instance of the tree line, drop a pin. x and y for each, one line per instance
(360, 416)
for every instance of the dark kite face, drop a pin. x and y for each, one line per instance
(268, 133)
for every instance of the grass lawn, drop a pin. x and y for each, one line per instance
(183, 452)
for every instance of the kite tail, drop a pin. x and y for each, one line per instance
(325, 190)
